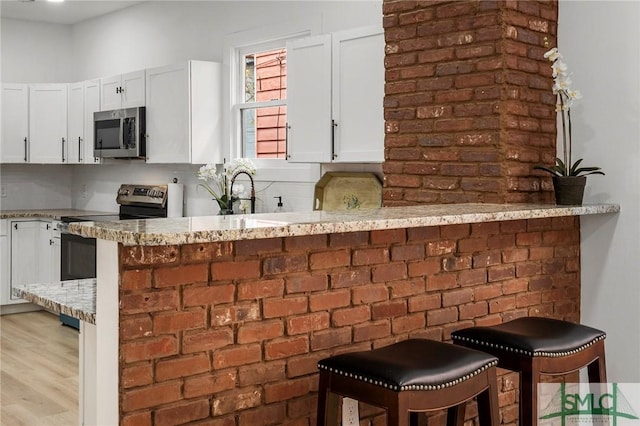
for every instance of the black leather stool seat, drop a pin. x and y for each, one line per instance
(414, 364)
(531, 336)
(535, 347)
(410, 378)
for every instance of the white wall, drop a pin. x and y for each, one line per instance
(35, 53)
(157, 33)
(35, 186)
(606, 124)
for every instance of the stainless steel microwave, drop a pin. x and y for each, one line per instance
(119, 133)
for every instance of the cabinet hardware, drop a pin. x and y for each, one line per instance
(333, 139)
(287, 126)
(63, 141)
(15, 226)
(79, 154)
(51, 242)
(118, 89)
(25, 149)
(48, 226)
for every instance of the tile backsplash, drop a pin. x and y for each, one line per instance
(93, 187)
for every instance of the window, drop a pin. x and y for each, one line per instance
(263, 106)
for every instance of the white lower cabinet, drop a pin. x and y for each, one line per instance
(183, 120)
(5, 262)
(30, 254)
(343, 73)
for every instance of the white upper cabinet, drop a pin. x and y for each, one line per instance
(84, 100)
(91, 105)
(75, 122)
(15, 123)
(48, 123)
(358, 95)
(122, 91)
(309, 127)
(346, 71)
(183, 117)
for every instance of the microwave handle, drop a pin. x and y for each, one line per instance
(121, 133)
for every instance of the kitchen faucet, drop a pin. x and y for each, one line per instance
(253, 191)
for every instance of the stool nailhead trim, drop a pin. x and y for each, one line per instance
(529, 353)
(408, 387)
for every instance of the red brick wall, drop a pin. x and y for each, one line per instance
(468, 106)
(271, 83)
(231, 332)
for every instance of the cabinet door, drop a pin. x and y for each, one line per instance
(91, 105)
(132, 85)
(167, 114)
(48, 123)
(45, 251)
(15, 123)
(5, 263)
(110, 97)
(75, 122)
(25, 252)
(55, 254)
(358, 94)
(309, 100)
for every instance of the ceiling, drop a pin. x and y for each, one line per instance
(67, 13)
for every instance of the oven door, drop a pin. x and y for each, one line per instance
(78, 257)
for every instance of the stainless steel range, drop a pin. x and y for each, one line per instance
(78, 254)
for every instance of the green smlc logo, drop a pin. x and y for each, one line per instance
(573, 405)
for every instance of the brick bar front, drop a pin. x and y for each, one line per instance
(229, 333)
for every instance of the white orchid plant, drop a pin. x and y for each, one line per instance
(217, 182)
(566, 96)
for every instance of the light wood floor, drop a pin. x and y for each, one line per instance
(39, 366)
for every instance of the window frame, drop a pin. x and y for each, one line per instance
(256, 40)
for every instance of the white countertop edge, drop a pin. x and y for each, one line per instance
(204, 229)
(63, 297)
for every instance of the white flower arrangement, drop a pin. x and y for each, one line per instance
(566, 97)
(217, 183)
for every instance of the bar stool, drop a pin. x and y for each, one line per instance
(411, 377)
(535, 346)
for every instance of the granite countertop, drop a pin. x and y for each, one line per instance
(76, 298)
(188, 230)
(48, 213)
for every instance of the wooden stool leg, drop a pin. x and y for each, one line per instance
(327, 402)
(398, 412)
(455, 415)
(417, 419)
(488, 410)
(597, 370)
(529, 378)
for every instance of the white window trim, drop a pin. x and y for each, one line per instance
(269, 169)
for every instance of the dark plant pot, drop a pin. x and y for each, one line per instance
(569, 190)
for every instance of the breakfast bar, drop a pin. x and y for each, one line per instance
(226, 317)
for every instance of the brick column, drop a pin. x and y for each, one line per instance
(468, 102)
